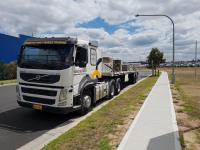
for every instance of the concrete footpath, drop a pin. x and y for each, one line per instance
(155, 126)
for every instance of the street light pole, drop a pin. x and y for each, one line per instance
(173, 57)
(196, 60)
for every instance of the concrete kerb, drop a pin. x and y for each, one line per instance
(125, 139)
(51, 135)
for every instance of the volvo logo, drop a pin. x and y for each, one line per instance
(38, 77)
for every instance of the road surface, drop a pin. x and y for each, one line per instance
(19, 126)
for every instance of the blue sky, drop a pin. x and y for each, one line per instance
(110, 22)
(101, 23)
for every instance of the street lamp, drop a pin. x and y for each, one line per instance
(173, 72)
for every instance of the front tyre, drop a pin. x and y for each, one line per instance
(86, 103)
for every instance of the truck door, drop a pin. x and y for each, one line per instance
(80, 70)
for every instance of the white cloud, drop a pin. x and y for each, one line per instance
(60, 16)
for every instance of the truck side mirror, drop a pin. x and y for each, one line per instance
(20, 54)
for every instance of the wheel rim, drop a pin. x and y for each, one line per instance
(87, 101)
(112, 90)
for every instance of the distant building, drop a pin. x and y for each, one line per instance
(10, 46)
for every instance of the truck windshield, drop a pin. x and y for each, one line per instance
(53, 57)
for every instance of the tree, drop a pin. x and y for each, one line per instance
(155, 58)
(8, 71)
(11, 70)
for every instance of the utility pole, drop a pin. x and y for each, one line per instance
(196, 60)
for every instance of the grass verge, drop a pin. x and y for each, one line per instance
(7, 81)
(99, 130)
(186, 98)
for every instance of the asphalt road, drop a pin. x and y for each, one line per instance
(19, 126)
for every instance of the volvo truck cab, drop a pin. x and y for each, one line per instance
(52, 71)
(61, 75)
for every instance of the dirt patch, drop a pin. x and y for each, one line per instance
(188, 126)
(121, 130)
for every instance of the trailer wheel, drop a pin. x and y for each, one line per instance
(86, 103)
(111, 89)
(118, 86)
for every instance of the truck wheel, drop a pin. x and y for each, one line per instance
(86, 103)
(118, 86)
(135, 78)
(111, 89)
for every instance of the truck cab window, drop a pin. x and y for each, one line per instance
(81, 57)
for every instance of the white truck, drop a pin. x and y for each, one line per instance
(61, 75)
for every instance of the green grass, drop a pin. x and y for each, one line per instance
(188, 89)
(93, 132)
(7, 81)
(181, 139)
(104, 144)
(191, 102)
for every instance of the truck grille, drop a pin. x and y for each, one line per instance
(39, 100)
(39, 91)
(39, 78)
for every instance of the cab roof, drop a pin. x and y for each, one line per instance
(61, 40)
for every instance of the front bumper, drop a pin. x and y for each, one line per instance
(56, 110)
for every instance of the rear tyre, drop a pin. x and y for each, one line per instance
(111, 89)
(86, 102)
(118, 86)
(136, 77)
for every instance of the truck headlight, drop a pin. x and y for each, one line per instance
(63, 95)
